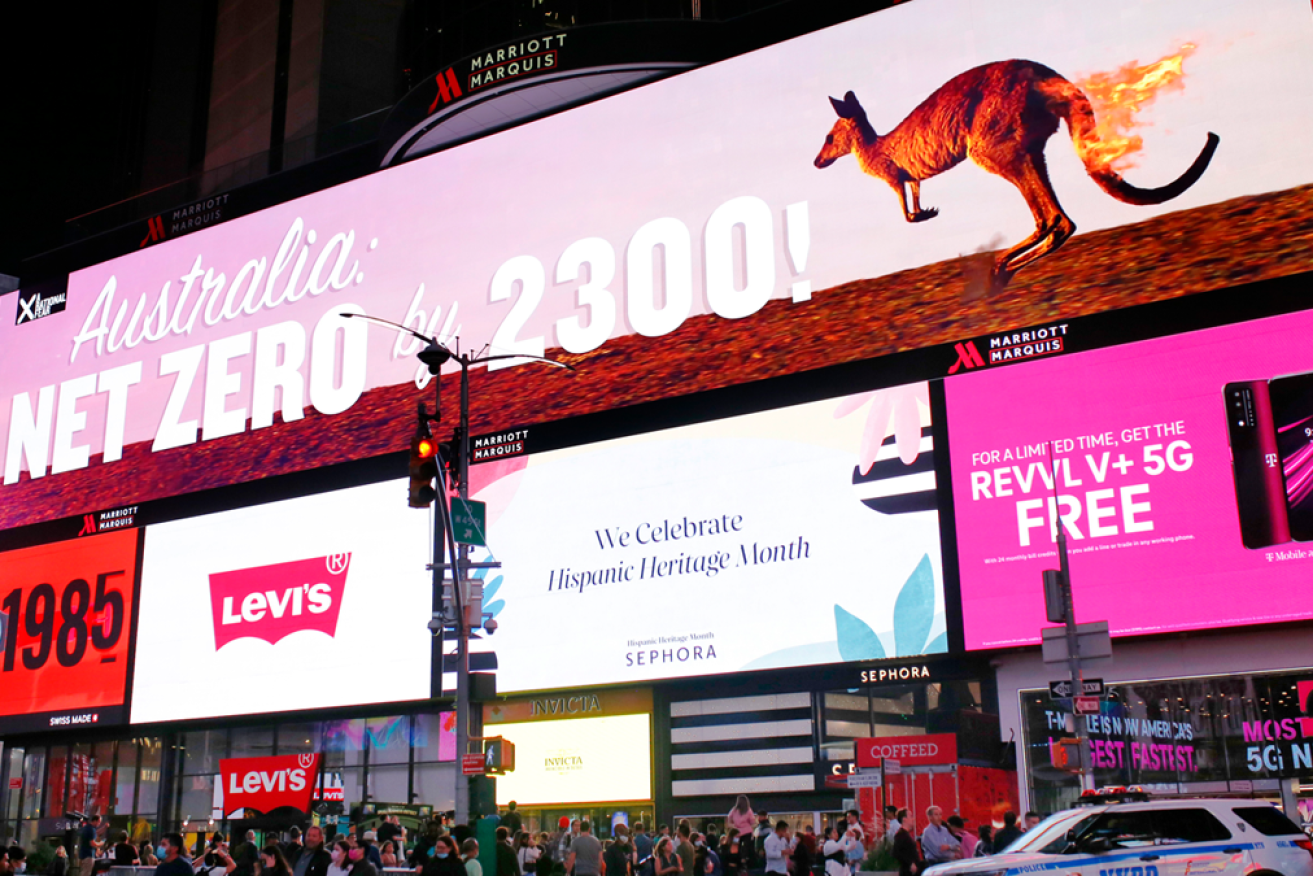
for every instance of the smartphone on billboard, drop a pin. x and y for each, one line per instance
(1255, 464)
(1292, 416)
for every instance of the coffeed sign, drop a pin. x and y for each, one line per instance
(933, 749)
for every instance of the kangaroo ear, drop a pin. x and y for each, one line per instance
(848, 108)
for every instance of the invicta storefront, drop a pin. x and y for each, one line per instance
(578, 754)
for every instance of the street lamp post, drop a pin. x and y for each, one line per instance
(434, 355)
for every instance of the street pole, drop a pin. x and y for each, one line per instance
(435, 355)
(1073, 640)
(462, 628)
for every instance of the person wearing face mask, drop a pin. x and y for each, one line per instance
(18, 859)
(445, 860)
(338, 850)
(360, 863)
(172, 863)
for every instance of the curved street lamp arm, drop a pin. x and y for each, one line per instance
(401, 328)
(483, 359)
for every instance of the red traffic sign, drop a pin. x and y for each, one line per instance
(472, 764)
(15, 783)
(1086, 705)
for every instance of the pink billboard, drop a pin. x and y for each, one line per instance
(1180, 474)
(833, 198)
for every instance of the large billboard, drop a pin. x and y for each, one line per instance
(66, 616)
(1180, 472)
(326, 594)
(799, 536)
(582, 760)
(843, 195)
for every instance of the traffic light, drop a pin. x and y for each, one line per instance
(449, 453)
(499, 756)
(423, 469)
(1064, 754)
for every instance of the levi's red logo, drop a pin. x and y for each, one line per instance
(272, 602)
(268, 783)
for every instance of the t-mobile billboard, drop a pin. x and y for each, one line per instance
(752, 218)
(1181, 468)
(800, 536)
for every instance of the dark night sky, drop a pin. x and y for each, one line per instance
(69, 97)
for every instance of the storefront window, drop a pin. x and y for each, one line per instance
(1177, 736)
(298, 738)
(126, 781)
(434, 737)
(196, 800)
(344, 743)
(389, 784)
(58, 781)
(13, 794)
(201, 751)
(148, 789)
(389, 740)
(435, 784)
(34, 768)
(252, 741)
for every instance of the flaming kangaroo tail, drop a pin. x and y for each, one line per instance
(1071, 104)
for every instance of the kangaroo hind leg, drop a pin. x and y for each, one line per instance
(1053, 226)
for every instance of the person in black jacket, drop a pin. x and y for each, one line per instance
(445, 860)
(507, 863)
(906, 852)
(1009, 834)
(314, 859)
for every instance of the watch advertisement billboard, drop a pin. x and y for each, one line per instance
(798, 536)
(330, 586)
(66, 614)
(1180, 468)
(581, 760)
(755, 217)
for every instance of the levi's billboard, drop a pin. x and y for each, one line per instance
(929, 750)
(267, 783)
(1182, 474)
(302, 588)
(755, 217)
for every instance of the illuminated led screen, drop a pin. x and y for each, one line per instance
(709, 229)
(799, 536)
(581, 760)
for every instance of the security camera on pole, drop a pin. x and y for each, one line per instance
(467, 609)
(1070, 643)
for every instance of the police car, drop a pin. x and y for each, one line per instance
(1121, 832)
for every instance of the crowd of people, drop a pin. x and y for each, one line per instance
(747, 843)
(947, 839)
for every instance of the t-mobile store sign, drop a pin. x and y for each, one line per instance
(929, 750)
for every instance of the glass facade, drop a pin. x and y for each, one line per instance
(1179, 736)
(394, 759)
(104, 778)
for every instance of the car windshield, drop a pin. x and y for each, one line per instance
(1050, 835)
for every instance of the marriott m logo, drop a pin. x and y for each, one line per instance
(154, 231)
(967, 357)
(448, 88)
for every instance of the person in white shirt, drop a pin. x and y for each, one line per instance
(836, 850)
(777, 847)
